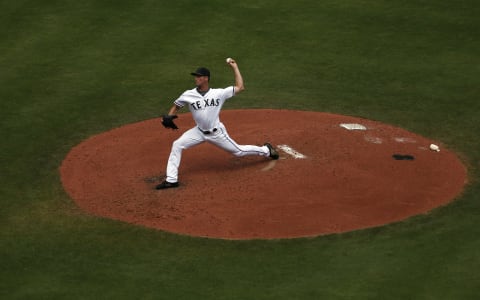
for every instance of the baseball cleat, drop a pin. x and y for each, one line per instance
(166, 185)
(273, 152)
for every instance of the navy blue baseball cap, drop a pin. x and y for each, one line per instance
(201, 72)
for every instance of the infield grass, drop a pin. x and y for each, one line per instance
(71, 69)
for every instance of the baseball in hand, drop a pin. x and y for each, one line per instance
(229, 60)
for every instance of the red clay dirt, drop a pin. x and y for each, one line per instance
(348, 179)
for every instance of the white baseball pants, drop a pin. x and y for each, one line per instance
(220, 138)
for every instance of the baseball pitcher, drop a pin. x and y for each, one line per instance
(205, 104)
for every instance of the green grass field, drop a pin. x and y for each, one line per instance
(72, 69)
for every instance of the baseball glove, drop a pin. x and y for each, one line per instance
(167, 121)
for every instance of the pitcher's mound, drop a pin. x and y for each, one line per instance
(335, 174)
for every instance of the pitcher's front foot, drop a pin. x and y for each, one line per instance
(166, 185)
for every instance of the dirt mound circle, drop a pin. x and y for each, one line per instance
(335, 174)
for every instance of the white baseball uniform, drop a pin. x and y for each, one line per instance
(205, 111)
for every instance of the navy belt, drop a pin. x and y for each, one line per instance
(208, 131)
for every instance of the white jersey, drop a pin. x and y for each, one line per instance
(205, 109)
